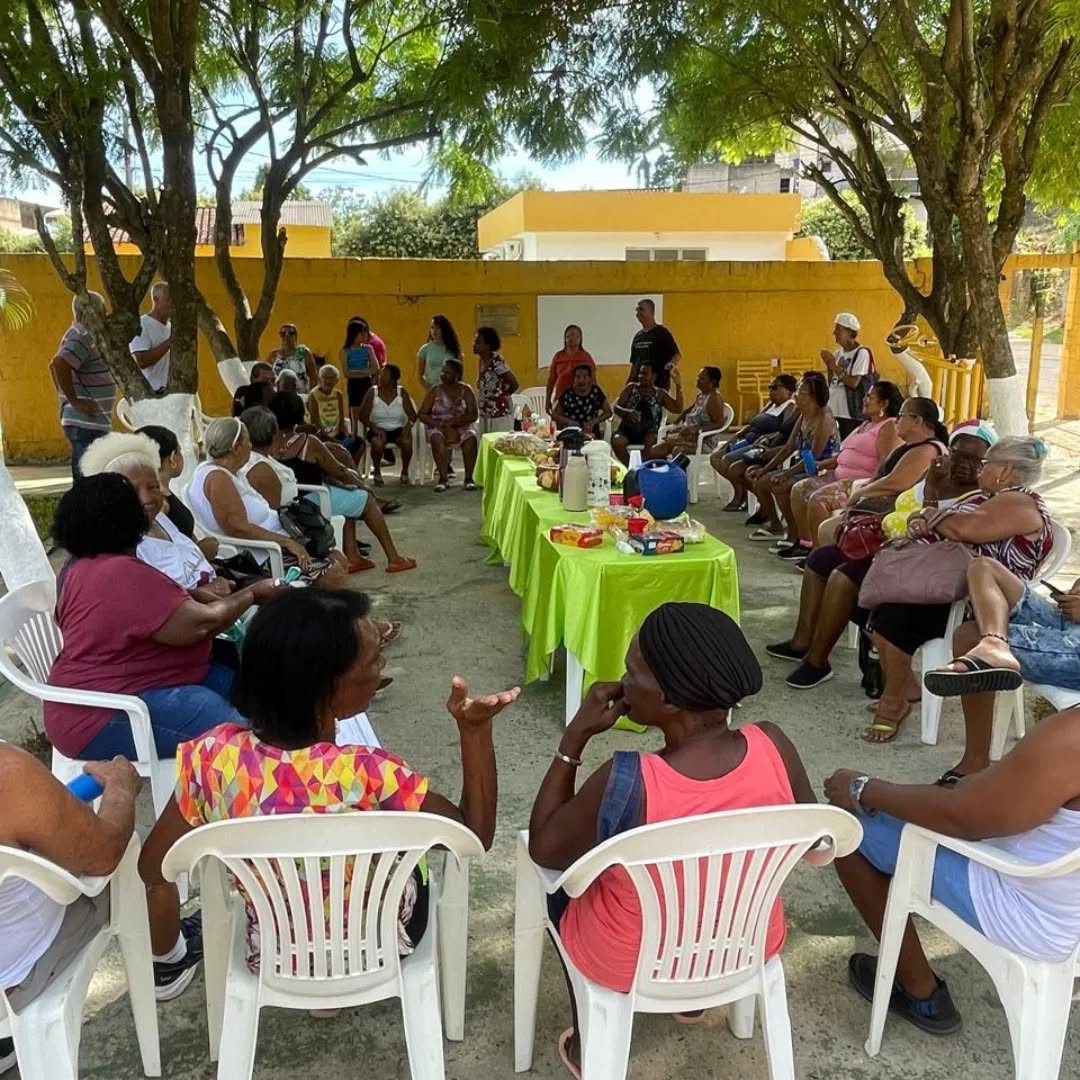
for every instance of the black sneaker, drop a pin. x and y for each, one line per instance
(806, 676)
(783, 650)
(7, 1055)
(936, 1015)
(793, 553)
(757, 519)
(171, 979)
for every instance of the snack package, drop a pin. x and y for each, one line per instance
(657, 543)
(583, 536)
(547, 477)
(693, 532)
(607, 517)
(520, 444)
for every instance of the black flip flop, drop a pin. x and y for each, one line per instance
(979, 677)
(936, 1015)
(949, 778)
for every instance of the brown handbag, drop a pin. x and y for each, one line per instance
(909, 573)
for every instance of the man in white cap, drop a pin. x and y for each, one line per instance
(851, 373)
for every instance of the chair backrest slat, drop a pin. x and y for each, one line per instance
(296, 916)
(358, 943)
(319, 944)
(338, 944)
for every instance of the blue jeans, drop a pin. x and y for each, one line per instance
(80, 438)
(1045, 642)
(177, 714)
(880, 846)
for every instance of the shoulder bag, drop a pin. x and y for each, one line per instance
(904, 572)
(304, 522)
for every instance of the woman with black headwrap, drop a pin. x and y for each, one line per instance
(686, 668)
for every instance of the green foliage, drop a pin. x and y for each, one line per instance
(403, 225)
(823, 218)
(12, 243)
(16, 304)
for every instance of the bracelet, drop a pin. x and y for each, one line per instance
(575, 762)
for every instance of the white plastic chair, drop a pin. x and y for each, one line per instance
(699, 459)
(306, 960)
(536, 398)
(123, 413)
(236, 543)
(47, 1031)
(1036, 994)
(1009, 712)
(938, 653)
(712, 951)
(28, 629)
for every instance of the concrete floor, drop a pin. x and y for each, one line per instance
(461, 617)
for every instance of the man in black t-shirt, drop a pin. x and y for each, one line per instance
(654, 345)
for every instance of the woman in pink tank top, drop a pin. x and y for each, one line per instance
(862, 455)
(687, 667)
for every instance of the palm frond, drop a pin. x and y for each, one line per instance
(16, 304)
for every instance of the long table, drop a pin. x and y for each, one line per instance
(591, 600)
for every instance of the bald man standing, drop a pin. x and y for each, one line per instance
(151, 346)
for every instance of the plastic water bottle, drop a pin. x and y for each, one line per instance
(808, 461)
(85, 788)
(635, 459)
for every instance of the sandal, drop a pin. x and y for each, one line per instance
(564, 1055)
(978, 677)
(949, 778)
(400, 567)
(936, 1015)
(390, 507)
(888, 728)
(442, 485)
(764, 534)
(360, 564)
(388, 631)
(470, 486)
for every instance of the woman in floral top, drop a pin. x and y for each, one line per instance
(311, 657)
(495, 383)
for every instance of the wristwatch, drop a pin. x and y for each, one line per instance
(855, 790)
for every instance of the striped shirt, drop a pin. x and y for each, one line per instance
(92, 379)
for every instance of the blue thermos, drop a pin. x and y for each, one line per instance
(808, 461)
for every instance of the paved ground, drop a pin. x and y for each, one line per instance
(479, 636)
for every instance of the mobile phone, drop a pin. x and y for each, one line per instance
(1055, 592)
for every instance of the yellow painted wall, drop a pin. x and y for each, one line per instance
(628, 211)
(305, 242)
(720, 313)
(803, 249)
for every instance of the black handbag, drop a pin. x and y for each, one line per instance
(304, 522)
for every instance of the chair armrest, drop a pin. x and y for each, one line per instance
(277, 563)
(993, 858)
(323, 494)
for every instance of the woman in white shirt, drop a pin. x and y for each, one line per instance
(163, 546)
(388, 413)
(225, 503)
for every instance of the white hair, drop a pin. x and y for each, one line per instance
(159, 288)
(329, 369)
(95, 298)
(119, 451)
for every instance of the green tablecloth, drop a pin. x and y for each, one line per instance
(590, 600)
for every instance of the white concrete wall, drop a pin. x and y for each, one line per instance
(612, 246)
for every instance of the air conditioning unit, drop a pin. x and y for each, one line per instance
(512, 250)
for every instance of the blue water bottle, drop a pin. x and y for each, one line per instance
(808, 461)
(85, 788)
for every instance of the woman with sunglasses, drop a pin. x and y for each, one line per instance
(291, 356)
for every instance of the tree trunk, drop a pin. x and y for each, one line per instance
(173, 411)
(22, 554)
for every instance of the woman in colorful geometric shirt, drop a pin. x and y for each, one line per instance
(313, 657)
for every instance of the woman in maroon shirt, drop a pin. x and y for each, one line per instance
(129, 629)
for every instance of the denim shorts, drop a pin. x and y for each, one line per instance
(880, 846)
(1045, 642)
